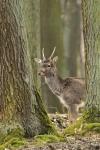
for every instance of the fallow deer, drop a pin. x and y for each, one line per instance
(70, 91)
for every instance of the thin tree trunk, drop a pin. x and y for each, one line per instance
(19, 99)
(71, 16)
(51, 36)
(74, 38)
(91, 28)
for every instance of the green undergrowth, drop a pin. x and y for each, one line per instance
(92, 115)
(15, 139)
(81, 128)
(12, 140)
(89, 122)
(47, 138)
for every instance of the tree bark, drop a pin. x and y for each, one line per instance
(91, 28)
(19, 98)
(72, 35)
(31, 21)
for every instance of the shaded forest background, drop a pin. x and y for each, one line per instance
(28, 26)
(45, 24)
(61, 26)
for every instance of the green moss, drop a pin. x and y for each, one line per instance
(81, 127)
(13, 139)
(42, 114)
(12, 143)
(91, 115)
(43, 139)
(74, 128)
(89, 122)
(91, 127)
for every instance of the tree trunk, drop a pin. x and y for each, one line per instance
(51, 36)
(19, 99)
(91, 28)
(72, 35)
(31, 21)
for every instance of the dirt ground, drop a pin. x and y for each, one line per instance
(91, 142)
(71, 144)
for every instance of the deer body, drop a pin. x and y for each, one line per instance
(70, 91)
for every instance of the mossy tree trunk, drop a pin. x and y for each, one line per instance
(19, 99)
(91, 28)
(51, 36)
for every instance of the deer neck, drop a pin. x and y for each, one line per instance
(54, 83)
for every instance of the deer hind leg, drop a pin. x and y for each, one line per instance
(72, 113)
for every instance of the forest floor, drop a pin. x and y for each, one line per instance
(88, 142)
(70, 144)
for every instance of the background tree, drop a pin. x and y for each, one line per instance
(51, 36)
(19, 99)
(73, 41)
(61, 26)
(91, 28)
(31, 21)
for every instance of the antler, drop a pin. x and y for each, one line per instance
(43, 54)
(52, 53)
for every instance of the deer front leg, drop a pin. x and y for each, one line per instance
(72, 113)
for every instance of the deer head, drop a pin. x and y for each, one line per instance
(47, 65)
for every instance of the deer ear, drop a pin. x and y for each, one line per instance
(55, 59)
(38, 60)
